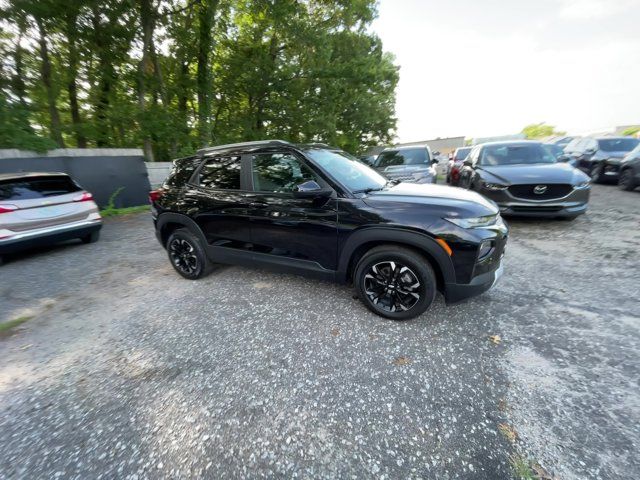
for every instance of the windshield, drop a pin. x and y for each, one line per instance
(409, 156)
(462, 153)
(347, 170)
(618, 144)
(493, 155)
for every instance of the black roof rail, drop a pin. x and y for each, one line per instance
(257, 143)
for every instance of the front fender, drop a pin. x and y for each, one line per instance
(420, 241)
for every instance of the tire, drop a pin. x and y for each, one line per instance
(596, 173)
(626, 182)
(389, 294)
(93, 237)
(187, 255)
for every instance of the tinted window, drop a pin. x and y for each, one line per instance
(493, 155)
(36, 187)
(618, 144)
(347, 170)
(556, 150)
(221, 172)
(413, 156)
(462, 153)
(572, 146)
(279, 172)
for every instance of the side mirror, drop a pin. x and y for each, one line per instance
(434, 161)
(311, 189)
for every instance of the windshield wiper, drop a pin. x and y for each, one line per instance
(369, 190)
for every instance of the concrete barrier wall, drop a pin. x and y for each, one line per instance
(101, 171)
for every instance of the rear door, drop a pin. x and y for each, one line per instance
(297, 229)
(40, 202)
(218, 197)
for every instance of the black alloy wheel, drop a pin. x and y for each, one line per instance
(626, 182)
(187, 255)
(395, 282)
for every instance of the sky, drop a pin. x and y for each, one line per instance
(490, 67)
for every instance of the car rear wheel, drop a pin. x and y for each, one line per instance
(187, 255)
(91, 238)
(395, 282)
(597, 173)
(625, 182)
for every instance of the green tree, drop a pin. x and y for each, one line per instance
(540, 130)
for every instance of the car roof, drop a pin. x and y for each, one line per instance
(244, 145)
(511, 142)
(405, 147)
(19, 175)
(621, 137)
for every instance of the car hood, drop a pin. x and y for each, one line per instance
(536, 173)
(455, 201)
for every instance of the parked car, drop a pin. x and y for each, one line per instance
(455, 164)
(600, 157)
(524, 178)
(561, 141)
(630, 170)
(317, 211)
(368, 159)
(44, 208)
(407, 164)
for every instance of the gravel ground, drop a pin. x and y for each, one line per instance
(125, 370)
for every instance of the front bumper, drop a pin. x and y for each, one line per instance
(571, 205)
(49, 235)
(456, 292)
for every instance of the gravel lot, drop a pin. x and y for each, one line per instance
(125, 370)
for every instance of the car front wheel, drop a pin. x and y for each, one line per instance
(187, 255)
(395, 282)
(626, 181)
(597, 173)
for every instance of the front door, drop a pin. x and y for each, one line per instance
(300, 230)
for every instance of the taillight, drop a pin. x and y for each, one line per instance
(8, 208)
(155, 195)
(84, 197)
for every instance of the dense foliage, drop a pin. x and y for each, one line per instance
(173, 75)
(540, 130)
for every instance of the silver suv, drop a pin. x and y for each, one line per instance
(407, 164)
(44, 208)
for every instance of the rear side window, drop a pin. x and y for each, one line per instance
(221, 172)
(417, 156)
(182, 170)
(36, 187)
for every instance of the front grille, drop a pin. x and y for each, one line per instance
(553, 190)
(401, 177)
(534, 209)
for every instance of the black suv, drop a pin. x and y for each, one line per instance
(600, 158)
(316, 210)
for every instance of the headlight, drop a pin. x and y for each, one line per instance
(495, 186)
(583, 185)
(474, 222)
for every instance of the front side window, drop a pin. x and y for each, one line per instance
(37, 187)
(494, 155)
(279, 172)
(410, 156)
(221, 173)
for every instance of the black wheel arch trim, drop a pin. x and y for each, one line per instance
(420, 241)
(181, 219)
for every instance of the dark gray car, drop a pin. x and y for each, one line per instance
(600, 157)
(630, 170)
(524, 178)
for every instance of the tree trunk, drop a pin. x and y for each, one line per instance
(72, 87)
(45, 71)
(206, 14)
(105, 81)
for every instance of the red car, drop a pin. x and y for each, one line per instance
(455, 164)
